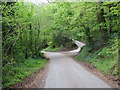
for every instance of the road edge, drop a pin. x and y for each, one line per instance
(96, 72)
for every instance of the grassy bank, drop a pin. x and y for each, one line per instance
(15, 73)
(105, 59)
(53, 49)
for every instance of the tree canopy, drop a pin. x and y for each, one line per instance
(27, 28)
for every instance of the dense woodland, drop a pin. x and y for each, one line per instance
(27, 29)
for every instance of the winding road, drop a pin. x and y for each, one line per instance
(64, 72)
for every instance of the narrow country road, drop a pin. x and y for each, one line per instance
(64, 72)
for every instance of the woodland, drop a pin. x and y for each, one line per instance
(28, 29)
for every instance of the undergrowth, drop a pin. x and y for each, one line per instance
(105, 59)
(17, 72)
(52, 49)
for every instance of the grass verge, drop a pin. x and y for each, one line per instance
(53, 49)
(105, 60)
(17, 72)
(106, 66)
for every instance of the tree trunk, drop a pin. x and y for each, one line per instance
(101, 22)
(88, 37)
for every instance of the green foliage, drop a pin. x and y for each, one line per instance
(15, 73)
(23, 36)
(61, 38)
(53, 49)
(105, 59)
(28, 28)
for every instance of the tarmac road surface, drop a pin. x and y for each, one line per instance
(64, 72)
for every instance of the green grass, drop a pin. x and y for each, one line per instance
(16, 73)
(105, 60)
(52, 49)
(105, 66)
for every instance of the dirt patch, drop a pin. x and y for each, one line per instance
(33, 81)
(110, 79)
